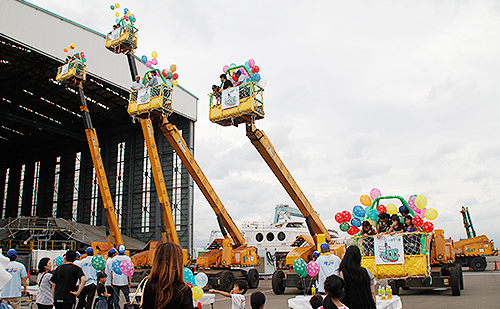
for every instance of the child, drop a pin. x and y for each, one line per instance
(367, 229)
(237, 294)
(383, 224)
(409, 226)
(257, 300)
(334, 288)
(102, 303)
(316, 301)
(396, 225)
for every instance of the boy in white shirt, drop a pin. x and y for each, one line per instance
(237, 294)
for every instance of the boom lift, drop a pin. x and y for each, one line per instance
(250, 108)
(73, 74)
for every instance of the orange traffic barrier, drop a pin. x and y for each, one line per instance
(496, 266)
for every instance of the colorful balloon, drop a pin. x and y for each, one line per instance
(338, 217)
(225, 68)
(381, 208)
(392, 209)
(201, 280)
(197, 292)
(59, 260)
(356, 222)
(154, 54)
(431, 214)
(144, 58)
(263, 83)
(346, 215)
(421, 214)
(173, 67)
(112, 7)
(251, 63)
(65, 50)
(175, 83)
(154, 61)
(255, 69)
(428, 227)
(420, 201)
(188, 275)
(353, 230)
(299, 266)
(344, 226)
(417, 221)
(312, 268)
(373, 214)
(148, 63)
(365, 200)
(374, 193)
(359, 211)
(164, 72)
(175, 76)
(127, 268)
(117, 5)
(98, 262)
(117, 14)
(115, 266)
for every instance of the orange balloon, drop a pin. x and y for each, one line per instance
(365, 200)
(65, 50)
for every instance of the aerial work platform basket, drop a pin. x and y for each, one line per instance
(122, 39)
(72, 72)
(416, 257)
(151, 100)
(235, 105)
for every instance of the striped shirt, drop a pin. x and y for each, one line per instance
(44, 296)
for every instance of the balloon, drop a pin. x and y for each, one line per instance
(381, 209)
(197, 292)
(346, 215)
(431, 214)
(84, 59)
(338, 217)
(355, 222)
(373, 214)
(420, 201)
(164, 72)
(188, 275)
(65, 50)
(169, 75)
(127, 268)
(365, 200)
(98, 262)
(201, 279)
(235, 78)
(392, 209)
(344, 226)
(175, 76)
(173, 67)
(428, 227)
(256, 77)
(125, 17)
(59, 260)
(232, 65)
(359, 211)
(421, 214)
(263, 83)
(312, 268)
(154, 54)
(117, 20)
(112, 7)
(299, 266)
(374, 193)
(224, 68)
(117, 14)
(117, 5)
(417, 221)
(353, 230)
(148, 63)
(175, 83)
(154, 61)
(144, 58)
(125, 10)
(116, 266)
(255, 69)
(251, 63)
(82, 55)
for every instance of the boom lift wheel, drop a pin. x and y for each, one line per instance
(478, 264)
(253, 278)
(461, 277)
(455, 281)
(278, 282)
(226, 281)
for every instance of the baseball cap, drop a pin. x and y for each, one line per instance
(78, 254)
(89, 250)
(121, 249)
(315, 254)
(325, 247)
(12, 253)
(112, 251)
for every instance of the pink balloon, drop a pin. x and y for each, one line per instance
(422, 213)
(312, 268)
(127, 268)
(224, 69)
(374, 193)
(154, 61)
(148, 63)
(251, 63)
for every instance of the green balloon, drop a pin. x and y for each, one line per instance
(299, 266)
(344, 226)
(98, 262)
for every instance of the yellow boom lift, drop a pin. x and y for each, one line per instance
(250, 108)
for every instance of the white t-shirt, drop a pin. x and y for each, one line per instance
(328, 265)
(88, 270)
(238, 301)
(136, 85)
(120, 279)
(242, 79)
(107, 270)
(14, 288)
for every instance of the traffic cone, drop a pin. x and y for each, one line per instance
(496, 266)
(470, 268)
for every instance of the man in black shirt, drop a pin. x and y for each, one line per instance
(64, 282)
(225, 82)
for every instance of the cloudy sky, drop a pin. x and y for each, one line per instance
(398, 95)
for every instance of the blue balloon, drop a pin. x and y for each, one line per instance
(355, 222)
(117, 20)
(373, 214)
(125, 10)
(116, 267)
(359, 211)
(84, 59)
(256, 77)
(188, 276)
(144, 58)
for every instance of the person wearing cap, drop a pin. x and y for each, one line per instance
(107, 270)
(64, 281)
(328, 265)
(120, 282)
(78, 257)
(86, 297)
(11, 293)
(241, 78)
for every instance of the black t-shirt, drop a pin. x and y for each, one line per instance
(227, 84)
(65, 278)
(398, 228)
(183, 298)
(100, 290)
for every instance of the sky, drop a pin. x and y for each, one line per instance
(402, 96)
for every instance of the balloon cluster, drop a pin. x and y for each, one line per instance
(169, 74)
(153, 60)
(250, 72)
(124, 267)
(79, 56)
(127, 15)
(196, 283)
(303, 270)
(351, 222)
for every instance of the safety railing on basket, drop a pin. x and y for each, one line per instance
(413, 243)
(250, 89)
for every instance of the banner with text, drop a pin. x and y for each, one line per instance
(389, 249)
(230, 97)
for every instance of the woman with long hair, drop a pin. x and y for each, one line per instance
(359, 281)
(44, 298)
(166, 287)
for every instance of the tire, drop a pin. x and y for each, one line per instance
(226, 281)
(461, 277)
(278, 282)
(394, 287)
(478, 264)
(455, 281)
(253, 278)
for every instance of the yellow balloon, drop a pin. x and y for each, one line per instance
(175, 83)
(365, 200)
(117, 5)
(154, 54)
(173, 67)
(420, 202)
(117, 14)
(392, 209)
(197, 292)
(431, 214)
(129, 13)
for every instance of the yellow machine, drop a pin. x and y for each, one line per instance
(72, 73)
(122, 39)
(151, 101)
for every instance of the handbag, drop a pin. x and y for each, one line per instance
(140, 287)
